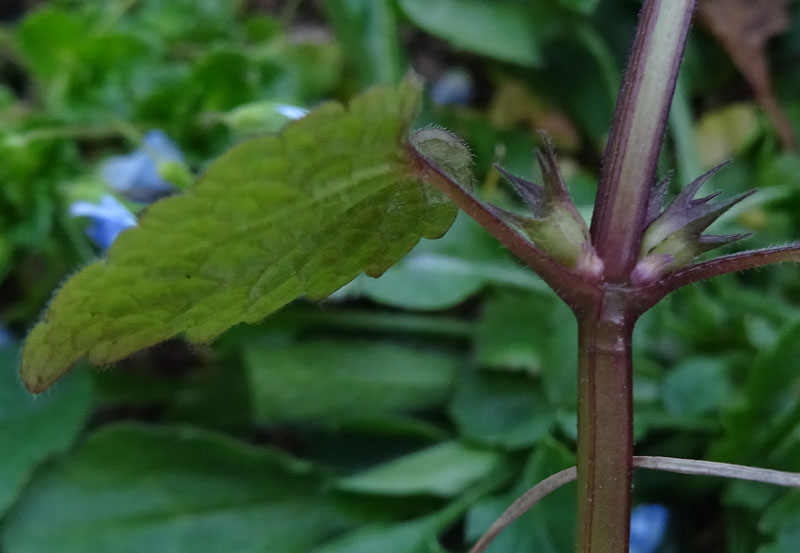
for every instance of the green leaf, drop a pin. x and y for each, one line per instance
(439, 274)
(767, 413)
(48, 40)
(531, 332)
(131, 488)
(782, 521)
(580, 6)
(327, 381)
(774, 374)
(198, 21)
(33, 429)
(501, 409)
(549, 527)
(416, 536)
(219, 79)
(277, 217)
(83, 70)
(697, 386)
(368, 31)
(310, 69)
(498, 29)
(445, 470)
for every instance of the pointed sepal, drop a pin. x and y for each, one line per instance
(531, 193)
(675, 238)
(553, 223)
(657, 196)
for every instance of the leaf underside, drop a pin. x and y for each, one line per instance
(275, 218)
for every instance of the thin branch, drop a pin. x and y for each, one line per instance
(572, 288)
(725, 470)
(525, 502)
(667, 464)
(725, 264)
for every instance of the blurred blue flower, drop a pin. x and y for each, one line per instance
(6, 338)
(108, 219)
(648, 524)
(136, 175)
(291, 112)
(455, 86)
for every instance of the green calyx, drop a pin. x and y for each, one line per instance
(554, 225)
(674, 237)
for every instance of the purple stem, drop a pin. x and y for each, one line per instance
(637, 134)
(605, 424)
(648, 296)
(605, 413)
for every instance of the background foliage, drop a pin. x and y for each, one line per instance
(405, 412)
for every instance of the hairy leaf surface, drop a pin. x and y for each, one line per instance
(277, 217)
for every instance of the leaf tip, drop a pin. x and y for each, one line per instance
(42, 364)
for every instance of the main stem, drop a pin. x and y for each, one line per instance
(605, 323)
(636, 135)
(605, 425)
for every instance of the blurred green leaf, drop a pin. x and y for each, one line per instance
(725, 132)
(580, 6)
(499, 29)
(782, 521)
(368, 31)
(309, 70)
(767, 413)
(48, 40)
(199, 21)
(548, 527)
(501, 409)
(84, 71)
(444, 470)
(533, 332)
(697, 386)
(33, 429)
(223, 79)
(774, 374)
(131, 488)
(438, 274)
(329, 381)
(416, 536)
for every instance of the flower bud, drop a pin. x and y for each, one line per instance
(261, 117)
(554, 225)
(675, 237)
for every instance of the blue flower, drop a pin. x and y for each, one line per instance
(108, 219)
(648, 524)
(291, 112)
(6, 338)
(136, 175)
(455, 86)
